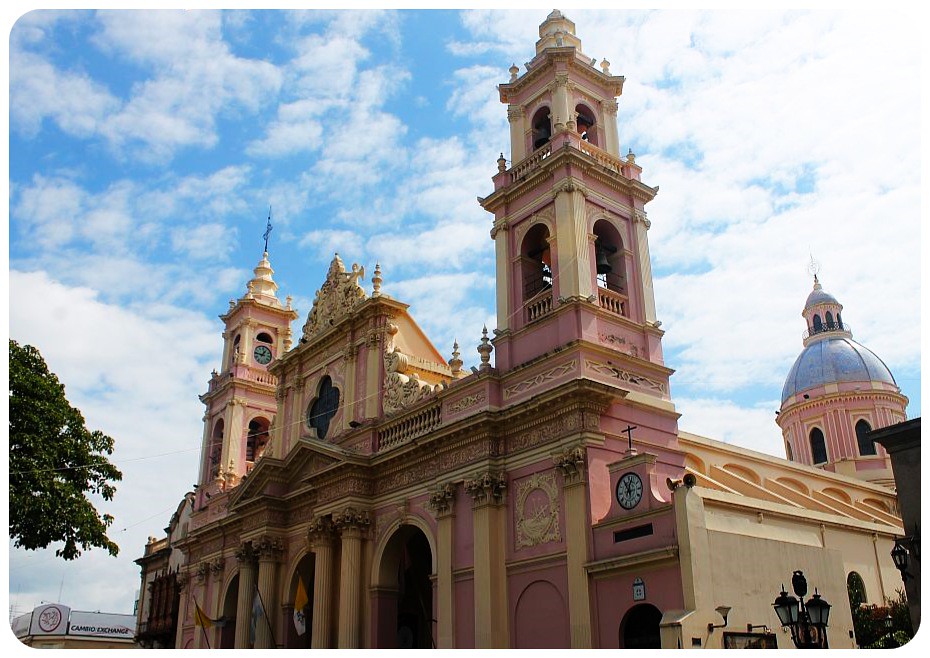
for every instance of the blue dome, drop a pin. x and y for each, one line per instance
(818, 296)
(834, 360)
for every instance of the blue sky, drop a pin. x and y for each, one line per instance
(146, 149)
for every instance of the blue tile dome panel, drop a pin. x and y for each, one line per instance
(831, 361)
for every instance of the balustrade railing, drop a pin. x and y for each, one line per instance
(538, 307)
(603, 158)
(612, 301)
(826, 328)
(410, 426)
(531, 162)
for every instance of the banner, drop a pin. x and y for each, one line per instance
(200, 617)
(257, 614)
(300, 602)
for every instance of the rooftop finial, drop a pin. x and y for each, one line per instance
(813, 267)
(268, 228)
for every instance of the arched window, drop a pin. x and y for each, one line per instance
(839, 321)
(216, 449)
(257, 439)
(866, 445)
(855, 587)
(818, 446)
(830, 324)
(818, 324)
(585, 124)
(542, 127)
(323, 409)
(610, 265)
(536, 262)
(788, 451)
(264, 338)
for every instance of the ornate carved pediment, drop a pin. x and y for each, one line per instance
(335, 299)
(402, 386)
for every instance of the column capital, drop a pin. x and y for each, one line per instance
(610, 106)
(351, 521)
(321, 531)
(217, 567)
(245, 554)
(568, 185)
(442, 499)
(515, 113)
(640, 218)
(486, 488)
(268, 548)
(571, 464)
(202, 570)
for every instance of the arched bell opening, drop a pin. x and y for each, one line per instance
(536, 262)
(584, 124)
(402, 606)
(818, 323)
(299, 617)
(610, 264)
(639, 628)
(542, 128)
(256, 441)
(215, 452)
(228, 617)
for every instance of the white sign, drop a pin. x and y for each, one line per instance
(639, 590)
(51, 619)
(100, 624)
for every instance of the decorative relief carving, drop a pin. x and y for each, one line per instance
(571, 463)
(202, 570)
(335, 299)
(640, 217)
(568, 185)
(182, 579)
(533, 382)
(468, 453)
(610, 106)
(624, 376)
(487, 487)
(217, 566)
(245, 553)
(612, 339)
(269, 547)
(345, 487)
(549, 431)
(465, 402)
(442, 498)
(514, 113)
(537, 511)
(402, 387)
(545, 216)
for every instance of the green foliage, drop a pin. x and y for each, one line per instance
(54, 463)
(869, 624)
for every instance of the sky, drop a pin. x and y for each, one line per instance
(146, 149)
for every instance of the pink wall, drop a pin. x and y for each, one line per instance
(465, 612)
(539, 609)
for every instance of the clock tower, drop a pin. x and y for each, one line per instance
(240, 402)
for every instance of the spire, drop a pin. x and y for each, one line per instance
(557, 31)
(262, 286)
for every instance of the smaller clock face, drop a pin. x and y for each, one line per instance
(262, 355)
(629, 491)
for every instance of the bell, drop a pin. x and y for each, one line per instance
(603, 265)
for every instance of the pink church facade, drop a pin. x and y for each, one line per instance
(547, 500)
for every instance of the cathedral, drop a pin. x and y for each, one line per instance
(358, 490)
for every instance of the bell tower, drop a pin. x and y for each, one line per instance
(569, 221)
(240, 400)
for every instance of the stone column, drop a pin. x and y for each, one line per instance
(269, 553)
(353, 526)
(351, 355)
(205, 451)
(441, 501)
(490, 574)
(201, 575)
(246, 558)
(645, 265)
(501, 236)
(298, 413)
(320, 537)
(571, 228)
(515, 115)
(233, 429)
(571, 464)
(373, 373)
(611, 139)
(562, 113)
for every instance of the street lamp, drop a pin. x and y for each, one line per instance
(807, 621)
(901, 558)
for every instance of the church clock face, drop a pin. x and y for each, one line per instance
(262, 354)
(629, 491)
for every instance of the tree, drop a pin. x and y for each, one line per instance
(869, 623)
(55, 462)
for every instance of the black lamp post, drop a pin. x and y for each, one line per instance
(900, 556)
(807, 621)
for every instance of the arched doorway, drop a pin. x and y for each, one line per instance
(303, 574)
(640, 628)
(230, 601)
(403, 597)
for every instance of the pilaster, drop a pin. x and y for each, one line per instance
(571, 464)
(269, 551)
(516, 117)
(352, 525)
(442, 501)
(501, 237)
(320, 538)
(246, 558)
(351, 354)
(372, 374)
(490, 573)
(641, 225)
(574, 259)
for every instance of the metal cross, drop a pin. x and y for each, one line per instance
(629, 433)
(267, 230)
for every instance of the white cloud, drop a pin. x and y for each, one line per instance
(750, 427)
